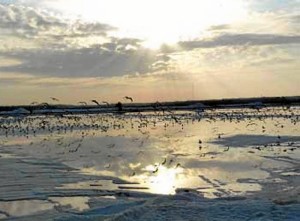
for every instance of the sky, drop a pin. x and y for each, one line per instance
(150, 50)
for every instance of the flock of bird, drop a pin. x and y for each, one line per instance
(85, 103)
(94, 101)
(92, 124)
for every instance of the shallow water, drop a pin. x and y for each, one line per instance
(103, 165)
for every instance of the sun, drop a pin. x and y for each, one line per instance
(156, 22)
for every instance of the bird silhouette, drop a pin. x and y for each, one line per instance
(155, 171)
(178, 165)
(128, 98)
(44, 104)
(105, 102)
(226, 149)
(54, 99)
(82, 102)
(96, 102)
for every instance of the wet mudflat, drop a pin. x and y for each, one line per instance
(234, 163)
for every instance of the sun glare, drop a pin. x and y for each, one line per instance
(156, 22)
(164, 181)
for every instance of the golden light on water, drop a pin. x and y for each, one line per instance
(164, 180)
(157, 179)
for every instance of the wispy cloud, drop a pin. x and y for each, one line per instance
(46, 27)
(27, 21)
(274, 5)
(241, 39)
(42, 48)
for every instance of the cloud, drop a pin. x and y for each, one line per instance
(106, 60)
(274, 5)
(62, 48)
(94, 28)
(32, 23)
(219, 27)
(26, 20)
(13, 79)
(7, 2)
(296, 18)
(241, 39)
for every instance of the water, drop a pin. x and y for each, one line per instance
(101, 165)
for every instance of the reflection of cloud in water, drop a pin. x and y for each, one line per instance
(129, 160)
(77, 203)
(25, 207)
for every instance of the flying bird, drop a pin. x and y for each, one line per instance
(156, 169)
(178, 165)
(128, 98)
(96, 102)
(226, 149)
(105, 102)
(44, 104)
(82, 102)
(54, 99)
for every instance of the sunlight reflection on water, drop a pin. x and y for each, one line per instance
(162, 153)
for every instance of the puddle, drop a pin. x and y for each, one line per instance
(25, 207)
(76, 203)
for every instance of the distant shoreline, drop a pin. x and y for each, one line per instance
(47, 108)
